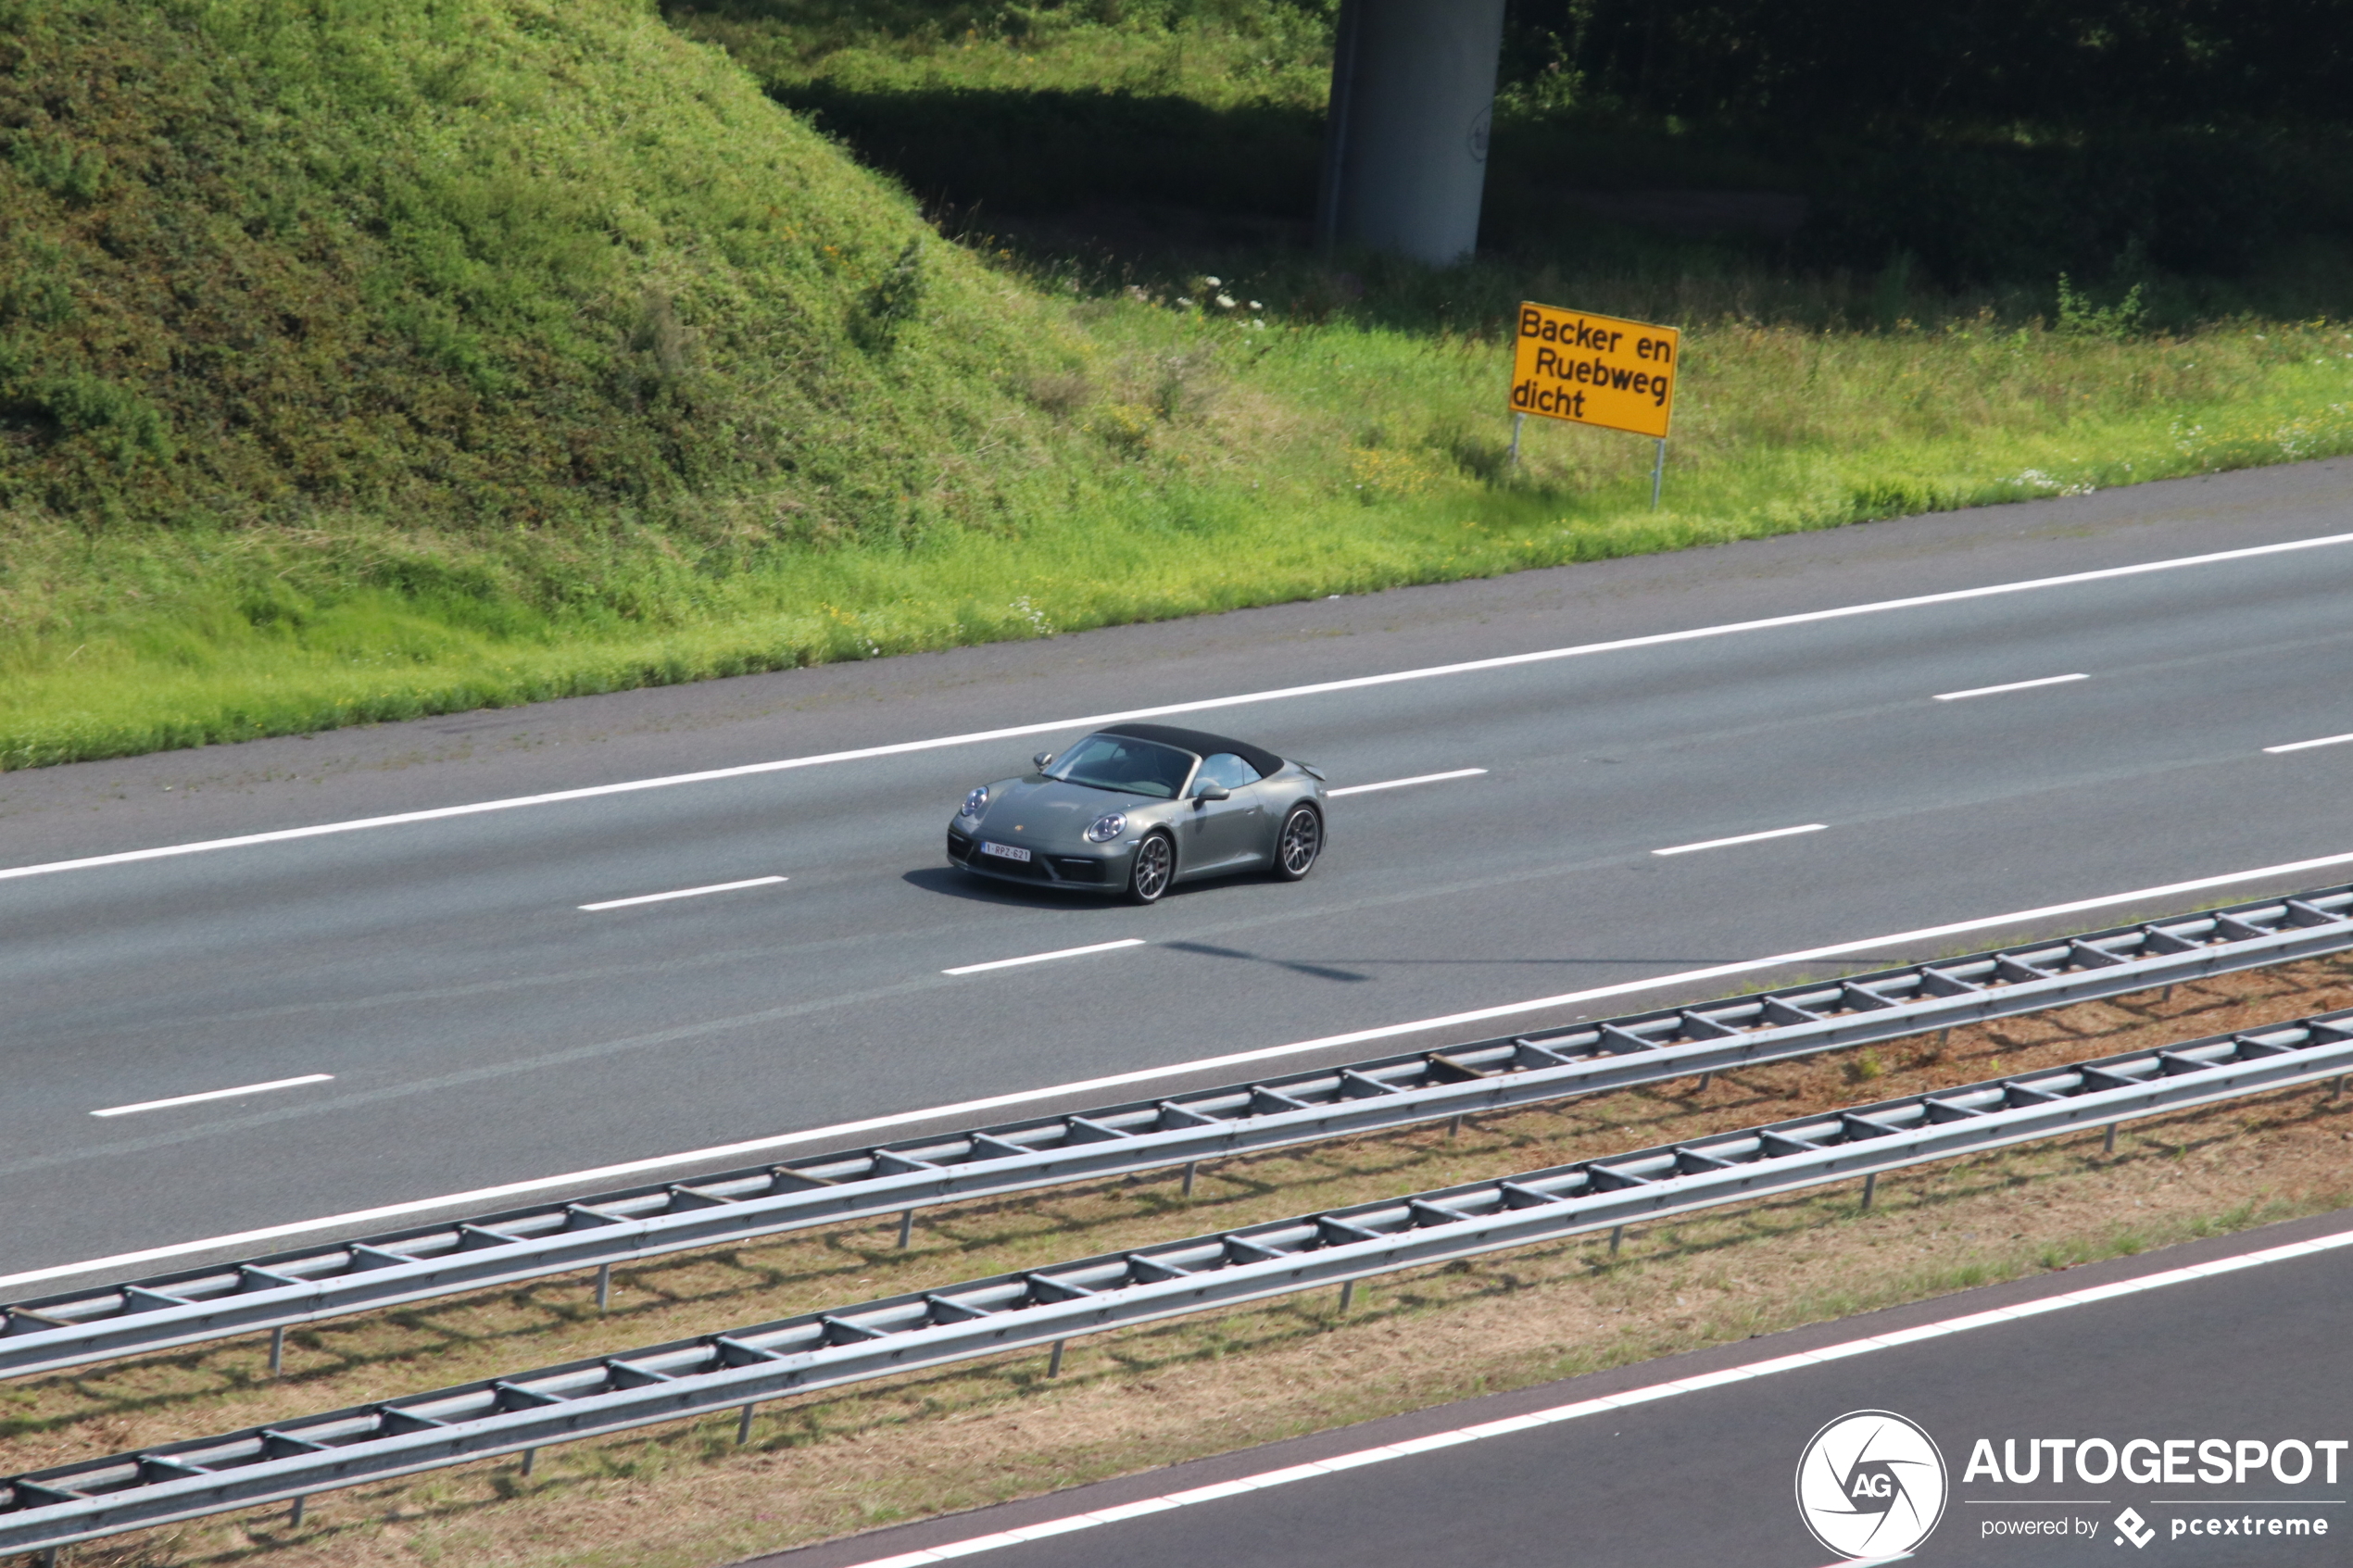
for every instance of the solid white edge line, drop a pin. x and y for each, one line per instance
(901, 749)
(1400, 784)
(967, 1108)
(216, 1094)
(1043, 957)
(2012, 686)
(2307, 745)
(685, 892)
(1741, 838)
(1585, 1408)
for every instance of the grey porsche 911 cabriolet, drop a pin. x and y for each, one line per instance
(1136, 808)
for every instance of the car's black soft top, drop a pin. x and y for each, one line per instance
(1200, 742)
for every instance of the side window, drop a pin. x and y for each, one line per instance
(1227, 769)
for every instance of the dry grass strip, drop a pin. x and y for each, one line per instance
(684, 1495)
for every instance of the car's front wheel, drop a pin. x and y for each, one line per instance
(1154, 868)
(1299, 844)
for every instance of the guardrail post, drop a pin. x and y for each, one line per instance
(743, 1424)
(1347, 1294)
(2338, 1092)
(1192, 1167)
(1054, 1362)
(1454, 1125)
(2107, 1144)
(906, 1228)
(277, 1350)
(294, 1514)
(1704, 1079)
(530, 1458)
(1616, 1235)
(604, 1286)
(1870, 1186)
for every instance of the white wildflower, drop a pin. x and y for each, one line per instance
(2041, 484)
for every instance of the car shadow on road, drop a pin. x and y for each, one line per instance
(1320, 972)
(949, 883)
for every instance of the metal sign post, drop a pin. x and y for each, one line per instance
(1658, 473)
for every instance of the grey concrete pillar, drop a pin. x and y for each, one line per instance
(1406, 148)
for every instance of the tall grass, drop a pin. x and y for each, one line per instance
(1280, 462)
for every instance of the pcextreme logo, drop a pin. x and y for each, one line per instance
(1871, 1484)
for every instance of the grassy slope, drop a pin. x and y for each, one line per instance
(371, 341)
(426, 356)
(505, 263)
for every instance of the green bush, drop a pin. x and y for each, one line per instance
(116, 420)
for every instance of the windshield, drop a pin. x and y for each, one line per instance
(1134, 767)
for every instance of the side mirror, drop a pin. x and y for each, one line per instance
(1207, 791)
(1042, 758)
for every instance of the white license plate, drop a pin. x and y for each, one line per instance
(1004, 851)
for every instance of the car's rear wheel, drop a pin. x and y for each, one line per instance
(1154, 868)
(1299, 844)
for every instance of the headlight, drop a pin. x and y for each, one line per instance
(976, 803)
(1108, 828)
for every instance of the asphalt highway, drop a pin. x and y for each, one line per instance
(1707, 1473)
(446, 1015)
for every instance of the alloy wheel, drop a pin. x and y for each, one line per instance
(1302, 840)
(1155, 867)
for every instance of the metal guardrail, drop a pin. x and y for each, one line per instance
(292, 1287)
(826, 1349)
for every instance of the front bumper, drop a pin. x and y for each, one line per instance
(1094, 870)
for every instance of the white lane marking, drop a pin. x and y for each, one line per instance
(2305, 745)
(1743, 838)
(903, 748)
(2012, 686)
(685, 892)
(840, 1132)
(1043, 957)
(1400, 784)
(216, 1094)
(1602, 1406)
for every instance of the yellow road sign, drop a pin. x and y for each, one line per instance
(1595, 370)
